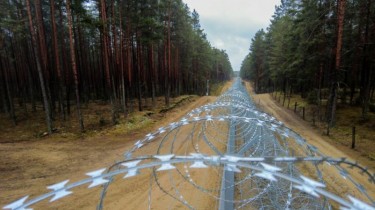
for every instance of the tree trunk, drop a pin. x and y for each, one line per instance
(74, 65)
(366, 73)
(105, 51)
(9, 94)
(152, 74)
(114, 54)
(345, 91)
(168, 66)
(334, 81)
(137, 70)
(285, 88)
(29, 67)
(121, 58)
(83, 64)
(3, 91)
(66, 76)
(319, 93)
(42, 37)
(57, 60)
(43, 51)
(39, 68)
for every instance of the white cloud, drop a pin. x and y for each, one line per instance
(230, 24)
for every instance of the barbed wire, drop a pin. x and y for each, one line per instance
(261, 163)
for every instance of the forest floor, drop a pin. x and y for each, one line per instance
(30, 161)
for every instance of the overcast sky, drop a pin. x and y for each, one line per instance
(231, 24)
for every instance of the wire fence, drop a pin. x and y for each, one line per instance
(227, 155)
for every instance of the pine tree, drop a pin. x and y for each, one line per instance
(74, 65)
(39, 68)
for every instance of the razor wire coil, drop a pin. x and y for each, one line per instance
(261, 162)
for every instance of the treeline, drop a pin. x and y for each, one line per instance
(61, 52)
(321, 49)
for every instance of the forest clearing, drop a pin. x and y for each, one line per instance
(47, 162)
(152, 105)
